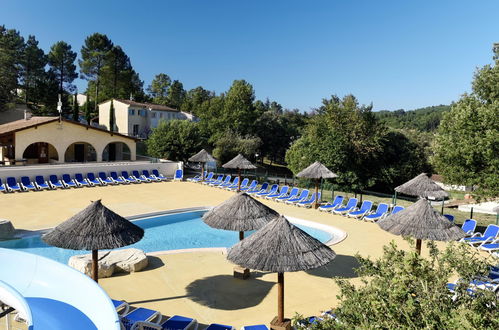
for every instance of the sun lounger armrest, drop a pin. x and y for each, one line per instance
(477, 235)
(146, 325)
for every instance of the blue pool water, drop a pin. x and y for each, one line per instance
(165, 232)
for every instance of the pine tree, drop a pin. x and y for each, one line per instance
(111, 117)
(76, 110)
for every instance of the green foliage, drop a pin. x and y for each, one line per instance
(195, 98)
(158, 89)
(88, 111)
(401, 290)
(61, 61)
(176, 95)
(175, 140)
(230, 144)
(349, 140)
(11, 50)
(423, 119)
(76, 108)
(33, 73)
(467, 144)
(239, 112)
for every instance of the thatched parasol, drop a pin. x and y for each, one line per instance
(422, 186)
(239, 163)
(280, 247)
(316, 171)
(240, 212)
(202, 157)
(421, 221)
(94, 228)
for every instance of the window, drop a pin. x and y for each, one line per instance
(153, 114)
(131, 112)
(160, 115)
(143, 113)
(135, 130)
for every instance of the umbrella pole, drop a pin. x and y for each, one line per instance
(280, 297)
(241, 235)
(239, 180)
(202, 171)
(418, 246)
(316, 203)
(95, 271)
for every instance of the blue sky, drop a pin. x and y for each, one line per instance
(395, 54)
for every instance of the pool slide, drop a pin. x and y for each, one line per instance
(50, 295)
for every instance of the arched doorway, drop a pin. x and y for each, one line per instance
(80, 152)
(116, 151)
(40, 153)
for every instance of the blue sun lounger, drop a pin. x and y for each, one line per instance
(217, 326)
(351, 204)
(290, 195)
(362, 211)
(12, 184)
(40, 183)
(179, 175)
(381, 211)
(130, 178)
(94, 181)
(272, 190)
(139, 176)
(450, 217)
(224, 181)
(122, 307)
(117, 179)
(490, 247)
(212, 181)
(198, 177)
(309, 202)
(55, 183)
(159, 175)
(139, 314)
(104, 178)
(303, 197)
(80, 180)
(256, 190)
(397, 209)
(491, 233)
(244, 184)
(150, 177)
(255, 327)
(281, 193)
(68, 182)
(469, 226)
(26, 183)
(338, 200)
(252, 186)
(228, 184)
(177, 322)
(2, 187)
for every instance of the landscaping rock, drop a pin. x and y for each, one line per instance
(126, 260)
(6, 229)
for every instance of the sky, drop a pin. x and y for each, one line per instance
(393, 54)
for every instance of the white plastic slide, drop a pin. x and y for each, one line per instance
(51, 295)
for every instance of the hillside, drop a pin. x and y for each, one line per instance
(424, 119)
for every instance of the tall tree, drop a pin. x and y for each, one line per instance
(33, 71)
(467, 144)
(158, 89)
(111, 117)
(61, 60)
(176, 94)
(76, 108)
(11, 50)
(195, 98)
(239, 110)
(93, 53)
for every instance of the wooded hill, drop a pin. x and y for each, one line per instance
(423, 119)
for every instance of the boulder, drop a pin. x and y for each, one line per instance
(126, 260)
(6, 229)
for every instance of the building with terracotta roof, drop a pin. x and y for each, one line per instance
(136, 118)
(35, 140)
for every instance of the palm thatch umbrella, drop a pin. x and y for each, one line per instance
(316, 171)
(421, 221)
(280, 247)
(94, 228)
(422, 186)
(239, 163)
(202, 157)
(240, 212)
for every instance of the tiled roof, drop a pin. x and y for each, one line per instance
(152, 106)
(21, 124)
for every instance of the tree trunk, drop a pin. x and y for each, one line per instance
(418, 246)
(280, 297)
(95, 265)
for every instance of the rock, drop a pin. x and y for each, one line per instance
(126, 260)
(6, 229)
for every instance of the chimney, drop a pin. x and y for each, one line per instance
(27, 115)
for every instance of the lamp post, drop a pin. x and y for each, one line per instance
(59, 108)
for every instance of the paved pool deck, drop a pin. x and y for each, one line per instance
(200, 284)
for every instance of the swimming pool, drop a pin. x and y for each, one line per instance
(175, 231)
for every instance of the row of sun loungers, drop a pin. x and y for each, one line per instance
(486, 241)
(489, 282)
(139, 318)
(78, 180)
